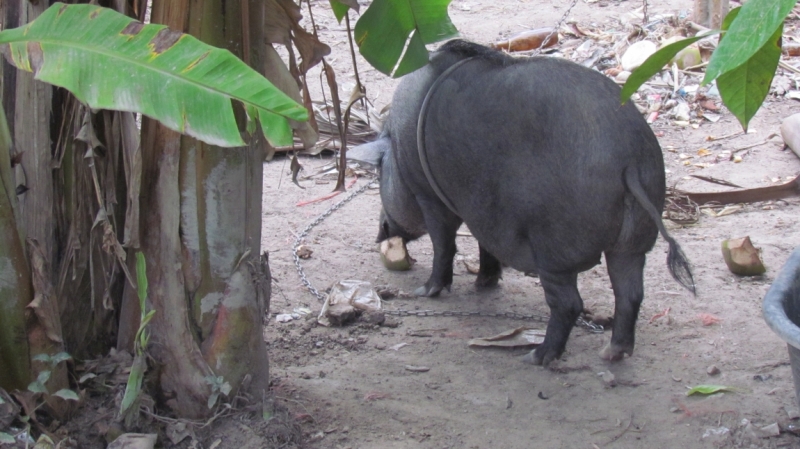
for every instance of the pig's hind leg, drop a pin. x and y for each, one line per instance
(442, 225)
(490, 271)
(626, 272)
(561, 294)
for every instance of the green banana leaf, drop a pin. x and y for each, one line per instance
(744, 87)
(383, 31)
(340, 8)
(753, 29)
(110, 61)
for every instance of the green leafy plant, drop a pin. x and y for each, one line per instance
(218, 385)
(5, 438)
(40, 392)
(743, 64)
(39, 386)
(392, 34)
(173, 77)
(134, 386)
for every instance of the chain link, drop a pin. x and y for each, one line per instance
(510, 315)
(299, 239)
(557, 27)
(588, 325)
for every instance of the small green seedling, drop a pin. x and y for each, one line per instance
(38, 386)
(134, 386)
(218, 385)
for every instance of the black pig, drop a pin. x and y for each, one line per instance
(542, 162)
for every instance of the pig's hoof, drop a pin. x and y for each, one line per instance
(530, 358)
(431, 291)
(540, 356)
(615, 353)
(485, 281)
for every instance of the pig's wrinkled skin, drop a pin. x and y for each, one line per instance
(546, 167)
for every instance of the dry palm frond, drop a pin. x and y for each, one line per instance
(363, 127)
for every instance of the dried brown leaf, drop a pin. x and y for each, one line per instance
(788, 189)
(87, 135)
(277, 72)
(132, 162)
(330, 75)
(296, 167)
(282, 26)
(44, 303)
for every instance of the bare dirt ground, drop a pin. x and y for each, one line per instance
(414, 382)
(350, 387)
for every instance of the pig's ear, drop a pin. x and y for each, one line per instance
(370, 153)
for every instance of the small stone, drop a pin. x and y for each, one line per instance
(792, 412)
(636, 54)
(373, 317)
(417, 369)
(380, 346)
(322, 376)
(609, 379)
(792, 428)
(769, 431)
(391, 322)
(717, 435)
(305, 376)
(623, 76)
(386, 292)
(340, 314)
(681, 112)
(748, 430)
(712, 370)
(304, 252)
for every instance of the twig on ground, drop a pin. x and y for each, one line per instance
(788, 67)
(747, 147)
(624, 431)
(328, 196)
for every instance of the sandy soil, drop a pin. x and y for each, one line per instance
(414, 382)
(350, 387)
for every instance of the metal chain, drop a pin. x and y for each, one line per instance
(299, 239)
(510, 315)
(591, 327)
(557, 27)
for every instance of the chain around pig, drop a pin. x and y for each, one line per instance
(591, 327)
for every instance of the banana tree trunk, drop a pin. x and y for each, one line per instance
(15, 278)
(710, 13)
(201, 233)
(28, 106)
